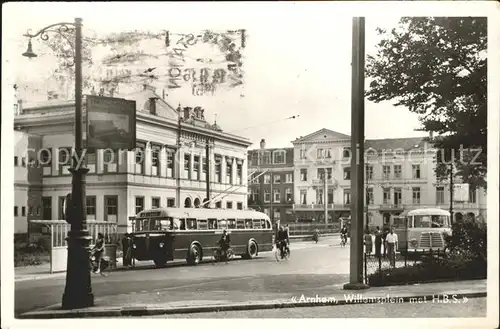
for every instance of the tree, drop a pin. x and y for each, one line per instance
(437, 68)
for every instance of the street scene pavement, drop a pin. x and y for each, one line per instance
(314, 270)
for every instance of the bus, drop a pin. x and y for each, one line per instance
(165, 234)
(422, 230)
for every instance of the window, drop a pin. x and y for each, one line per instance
(170, 162)
(320, 196)
(289, 178)
(111, 205)
(346, 153)
(47, 208)
(187, 165)
(155, 203)
(204, 166)
(254, 158)
(397, 172)
(328, 153)
(23, 211)
(229, 205)
(386, 195)
(218, 175)
(329, 173)
(140, 153)
(267, 179)
(15, 211)
(23, 161)
(415, 171)
(218, 204)
(279, 157)
(347, 197)
(320, 173)
(416, 195)
(61, 207)
(439, 195)
(277, 179)
(472, 195)
(170, 202)
(276, 195)
(303, 175)
(16, 159)
(330, 196)
(267, 195)
(347, 173)
(398, 195)
(155, 156)
(240, 223)
(303, 196)
(277, 214)
(139, 204)
(369, 172)
(196, 167)
(266, 157)
(255, 195)
(369, 195)
(30, 211)
(320, 153)
(229, 172)
(386, 172)
(302, 154)
(91, 205)
(239, 174)
(288, 195)
(239, 206)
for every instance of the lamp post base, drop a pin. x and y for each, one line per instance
(78, 291)
(356, 286)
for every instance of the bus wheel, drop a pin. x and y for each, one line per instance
(252, 250)
(194, 256)
(160, 261)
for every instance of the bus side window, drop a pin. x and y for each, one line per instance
(248, 223)
(222, 224)
(231, 223)
(268, 224)
(240, 223)
(191, 224)
(263, 223)
(256, 224)
(138, 226)
(212, 224)
(202, 224)
(183, 224)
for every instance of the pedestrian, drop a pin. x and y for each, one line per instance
(378, 242)
(392, 241)
(384, 240)
(368, 242)
(126, 248)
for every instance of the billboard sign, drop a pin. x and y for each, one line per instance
(110, 123)
(460, 192)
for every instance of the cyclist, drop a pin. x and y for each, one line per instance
(97, 251)
(225, 242)
(281, 241)
(343, 234)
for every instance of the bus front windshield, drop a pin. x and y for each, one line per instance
(155, 224)
(431, 221)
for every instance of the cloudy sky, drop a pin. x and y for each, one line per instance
(296, 62)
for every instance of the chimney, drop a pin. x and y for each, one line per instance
(152, 105)
(262, 143)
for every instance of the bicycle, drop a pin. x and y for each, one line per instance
(279, 255)
(219, 255)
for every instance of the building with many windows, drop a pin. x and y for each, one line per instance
(168, 168)
(270, 186)
(399, 176)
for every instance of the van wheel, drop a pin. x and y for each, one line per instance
(194, 256)
(252, 250)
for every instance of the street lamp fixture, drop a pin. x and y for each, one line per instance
(78, 290)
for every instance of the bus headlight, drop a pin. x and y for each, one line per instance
(161, 244)
(413, 243)
(134, 246)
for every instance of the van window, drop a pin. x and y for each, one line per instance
(231, 223)
(240, 223)
(256, 224)
(202, 224)
(212, 223)
(248, 223)
(191, 224)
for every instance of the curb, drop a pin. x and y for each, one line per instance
(149, 311)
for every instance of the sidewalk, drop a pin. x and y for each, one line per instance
(161, 302)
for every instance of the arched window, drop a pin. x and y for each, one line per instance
(197, 203)
(187, 203)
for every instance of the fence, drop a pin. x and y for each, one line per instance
(374, 263)
(308, 229)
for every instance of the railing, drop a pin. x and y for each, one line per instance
(321, 206)
(297, 229)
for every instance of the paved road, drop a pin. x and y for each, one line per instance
(311, 267)
(475, 307)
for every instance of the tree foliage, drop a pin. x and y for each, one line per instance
(437, 68)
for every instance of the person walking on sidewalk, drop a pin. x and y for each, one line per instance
(127, 249)
(378, 242)
(392, 240)
(368, 242)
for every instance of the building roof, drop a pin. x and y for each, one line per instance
(322, 134)
(288, 149)
(405, 144)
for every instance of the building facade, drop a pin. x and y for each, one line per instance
(270, 186)
(167, 169)
(399, 176)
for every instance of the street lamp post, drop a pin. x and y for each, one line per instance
(78, 290)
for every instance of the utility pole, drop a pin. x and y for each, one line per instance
(271, 213)
(326, 199)
(357, 154)
(451, 192)
(207, 174)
